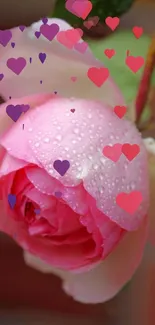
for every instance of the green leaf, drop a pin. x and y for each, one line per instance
(113, 8)
(122, 41)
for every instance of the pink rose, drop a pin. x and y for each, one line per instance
(70, 223)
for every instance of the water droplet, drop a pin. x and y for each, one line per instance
(59, 137)
(126, 165)
(46, 140)
(76, 131)
(95, 167)
(37, 144)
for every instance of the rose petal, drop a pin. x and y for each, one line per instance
(56, 72)
(6, 122)
(65, 256)
(108, 278)
(75, 197)
(80, 139)
(33, 101)
(10, 164)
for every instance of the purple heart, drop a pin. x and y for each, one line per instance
(12, 200)
(81, 47)
(5, 36)
(22, 27)
(13, 45)
(42, 57)
(37, 211)
(61, 166)
(37, 34)
(45, 20)
(16, 65)
(49, 31)
(1, 76)
(14, 111)
(24, 108)
(58, 194)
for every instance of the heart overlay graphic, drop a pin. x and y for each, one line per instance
(61, 166)
(129, 202)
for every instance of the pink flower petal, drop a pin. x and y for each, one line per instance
(6, 122)
(108, 278)
(80, 139)
(10, 164)
(56, 72)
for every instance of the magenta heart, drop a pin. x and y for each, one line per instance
(49, 31)
(72, 110)
(16, 65)
(5, 37)
(81, 47)
(61, 166)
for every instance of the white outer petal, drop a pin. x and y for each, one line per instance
(60, 65)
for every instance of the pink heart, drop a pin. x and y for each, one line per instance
(81, 47)
(79, 8)
(73, 78)
(69, 37)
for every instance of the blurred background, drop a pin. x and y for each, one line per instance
(30, 297)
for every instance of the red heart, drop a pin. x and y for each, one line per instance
(120, 111)
(109, 53)
(130, 150)
(129, 202)
(82, 8)
(98, 75)
(69, 37)
(134, 63)
(137, 31)
(112, 22)
(113, 152)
